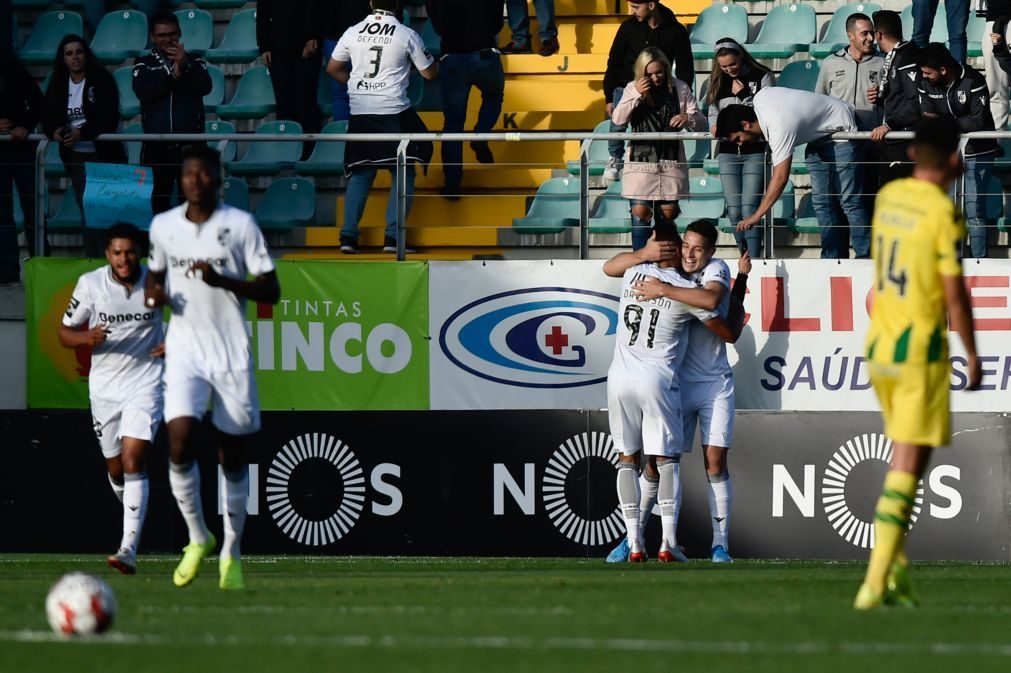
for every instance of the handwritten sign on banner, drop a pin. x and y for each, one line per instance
(117, 193)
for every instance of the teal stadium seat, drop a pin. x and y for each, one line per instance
(835, 34)
(327, 158)
(217, 94)
(287, 203)
(219, 126)
(799, 165)
(324, 93)
(133, 147)
(120, 36)
(238, 45)
(806, 221)
(254, 96)
(270, 157)
(198, 30)
(46, 34)
(974, 34)
(718, 21)
(787, 30)
(54, 164)
(612, 214)
(129, 106)
(705, 201)
(598, 155)
(801, 75)
(68, 214)
(236, 193)
(696, 152)
(555, 207)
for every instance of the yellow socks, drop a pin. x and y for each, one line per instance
(891, 521)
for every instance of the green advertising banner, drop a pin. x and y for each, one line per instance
(344, 336)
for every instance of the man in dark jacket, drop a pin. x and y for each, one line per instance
(949, 89)
(469, 29)
(337, 18)
(289, 34)
(996, 77)
(897, 94)
(21, 105)
(170, 85)
(651, 25)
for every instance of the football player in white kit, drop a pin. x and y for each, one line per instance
(124, 384)
(201, 255)
(643, 390)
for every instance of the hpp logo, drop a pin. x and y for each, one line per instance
(544, 337)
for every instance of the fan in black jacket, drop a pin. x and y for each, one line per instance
(289, 34)
(338, 17)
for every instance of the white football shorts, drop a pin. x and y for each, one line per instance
(235, 404)
(644, 417)
(137, 417)
(710, 405)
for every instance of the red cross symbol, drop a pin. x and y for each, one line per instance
(557, 340)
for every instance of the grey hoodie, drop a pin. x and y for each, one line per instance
(844, 78)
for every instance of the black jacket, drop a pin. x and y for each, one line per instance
(900, 88)
(21, 99)
(995, 9)
(466, 25)
(284, 26)
(634, 36)
(167, 104)
(101, 111)
(339, 15)
(968, 101)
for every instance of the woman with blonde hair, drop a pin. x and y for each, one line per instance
(656, 172)
(736, 78)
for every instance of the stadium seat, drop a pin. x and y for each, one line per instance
(198, 30)
(219, 126)
(129, 106)
(835, 35)
(974, 34)
(68, 214)
(787, 30)
(612, 214)
(696, 152)
(784, 211)
(705, 200)
(806, 222)
(718, 21)
(287, 203)
(270, 157)
(939, 31)
(254, 96)
(120, 35)
(598, 155)
(238, 45)
(48, 30)
(327, 158)
(801, 75)
(236, 193)
(54, 164)
(217, 95)
(555, 207)
(799, 165)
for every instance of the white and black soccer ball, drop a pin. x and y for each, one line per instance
(80, 604)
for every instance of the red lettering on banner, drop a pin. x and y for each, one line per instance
(774, 310)
(842, 303)
(988, 324)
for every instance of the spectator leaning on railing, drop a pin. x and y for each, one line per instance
(735, 80)
(949, 89)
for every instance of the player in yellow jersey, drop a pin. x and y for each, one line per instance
(916, 236)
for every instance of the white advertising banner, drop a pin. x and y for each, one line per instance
(540, 335)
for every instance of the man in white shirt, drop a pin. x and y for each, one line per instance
(787, 118)
(107, 313)
(374, 58)
(201, 255)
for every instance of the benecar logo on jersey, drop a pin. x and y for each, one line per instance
(187, 262)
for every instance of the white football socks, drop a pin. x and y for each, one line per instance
(628, 499)
(185, 482)
(647, 489)
(236, 499)
(117, 489)
(669, 495)
(135, 495)
(720, 496)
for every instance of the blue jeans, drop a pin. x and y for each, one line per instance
(957, 12)
(977, 179)
(341, 99)
(836, 193)
(643, 229)
(616, 148)
(457, 74)
(743, 178)
(519, 20)
(357, 194)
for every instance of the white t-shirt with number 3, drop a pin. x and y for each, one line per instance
(381, 51)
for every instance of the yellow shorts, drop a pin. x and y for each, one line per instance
(914, 401)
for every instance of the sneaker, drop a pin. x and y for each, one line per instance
(451, 192)
(483, 152)
(899, 589)
(513, 48)
(349, 245)
(676, 555)
(125, 561)
(549, 47)
(189, 566)
(719, 554)
(231, 573)
(390, 245)
(612, 171)
(867, 599)
(620, 553)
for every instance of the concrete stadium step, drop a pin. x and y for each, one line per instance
(581, 120)
(565, 8)
(485, 177)
(584, 35)
(567, 63)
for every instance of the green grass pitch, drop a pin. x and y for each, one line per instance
(444, 615)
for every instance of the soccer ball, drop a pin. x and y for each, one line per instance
(80, 605)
